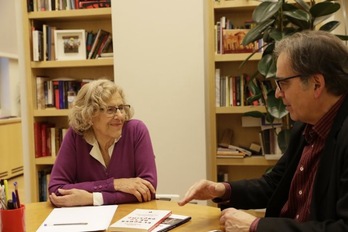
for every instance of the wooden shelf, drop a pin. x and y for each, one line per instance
(50, 112)
(234, 57)
(230, 117)
(88, 69)
(236, 4)
(66, 15)
(73, 63)
(45, 160)
(239, 109)
(257, 161)
(240, 4)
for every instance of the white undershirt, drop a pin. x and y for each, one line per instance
(96, 154)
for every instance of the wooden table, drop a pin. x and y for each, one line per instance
(204, 218)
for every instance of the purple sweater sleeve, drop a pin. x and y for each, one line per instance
(132, 157)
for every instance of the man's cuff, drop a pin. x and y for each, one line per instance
(98, 198)
(226, 196)
(253, 226)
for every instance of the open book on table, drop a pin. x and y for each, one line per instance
(140, 220)
(171, 222)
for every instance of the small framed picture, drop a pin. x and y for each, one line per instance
(70, 44)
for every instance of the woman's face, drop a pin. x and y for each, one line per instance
(107, 124)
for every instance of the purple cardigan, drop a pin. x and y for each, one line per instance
(132, 156)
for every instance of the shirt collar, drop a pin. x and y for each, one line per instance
(322, 127)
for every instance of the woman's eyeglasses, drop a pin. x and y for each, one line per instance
(110, 111)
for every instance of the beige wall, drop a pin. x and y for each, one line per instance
(159, 60)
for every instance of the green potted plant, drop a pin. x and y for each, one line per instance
(275, 20)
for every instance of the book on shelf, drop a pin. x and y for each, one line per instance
(40, 92)
(233, 90)
(232, 41)
(228, 153)
(47, 139)
(269, 140)
(174, 220)
(44, 179)
(83, 4)
(37, 37)
(140, 220)
(55, 5)
(97, 42)
(57, 92)
(232, 152)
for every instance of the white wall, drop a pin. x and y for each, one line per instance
(9, 75)
(8, 44)
(159, 61)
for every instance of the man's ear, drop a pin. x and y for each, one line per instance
(318, 83)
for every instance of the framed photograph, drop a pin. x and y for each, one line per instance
(70, 44)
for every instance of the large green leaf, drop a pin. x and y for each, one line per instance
(267, 66)
(283, 139)
(255, 33)
(321, 19)
(330, 26)
(255, 114)
(275, 106)
(265, 11)
(276, 35)
(299, 15)
(253, 87)
(303, 4)
(324, 8)
(343, 37)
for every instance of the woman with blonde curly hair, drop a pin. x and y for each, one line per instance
(106, 157)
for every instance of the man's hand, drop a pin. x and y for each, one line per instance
(203, 190)
(140, 188)
(236, 220)
(71, 197)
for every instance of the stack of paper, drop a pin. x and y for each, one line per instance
(85, 218)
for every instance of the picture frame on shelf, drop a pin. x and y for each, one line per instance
(70, 44)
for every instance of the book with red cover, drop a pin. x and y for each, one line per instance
(140, 220)
(37, 138)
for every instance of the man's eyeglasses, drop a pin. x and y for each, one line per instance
(279, 81)
(112, 110)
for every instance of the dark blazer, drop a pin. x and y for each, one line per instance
(329, 207)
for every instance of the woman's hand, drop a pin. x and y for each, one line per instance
(140, 188)
(71, 197)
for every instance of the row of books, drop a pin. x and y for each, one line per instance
(56, 93)
(51, 5)
(50, 43)
(269, 140)
(267, 146)
(228, 39)
(48, 139)
(233, 90)
(44, 179)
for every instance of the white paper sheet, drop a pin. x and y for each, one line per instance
(85, 218)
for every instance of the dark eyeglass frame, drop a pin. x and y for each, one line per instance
(278, 80)
(110, 111)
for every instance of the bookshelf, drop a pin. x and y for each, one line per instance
(77, 70)
(230, 117)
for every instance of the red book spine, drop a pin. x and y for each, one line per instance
(44, 139)
(37, 138)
